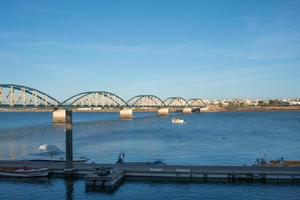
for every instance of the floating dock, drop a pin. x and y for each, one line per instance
(106, 178)
(191, 173)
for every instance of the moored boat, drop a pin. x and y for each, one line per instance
(52, 153)
(177, 121)
(23, 172)
(277, 163)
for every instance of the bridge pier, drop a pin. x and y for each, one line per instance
(126, 113)
(187, 110)
(62, 116)
(163, 111)
(204, 109)
(196, 110)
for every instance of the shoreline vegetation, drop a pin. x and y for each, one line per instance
(208, 108)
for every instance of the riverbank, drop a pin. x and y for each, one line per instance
(216, 108)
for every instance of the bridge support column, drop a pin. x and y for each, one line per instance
(195, 109)
(126, 113)
(62, 116)
(204, 109)
(187, 110)
(163, 111)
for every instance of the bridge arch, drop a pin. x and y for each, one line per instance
(145, 101)
(176, 102)
(197, 102)
(12, 95)
(95, 99)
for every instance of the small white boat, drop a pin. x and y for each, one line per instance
(48, 152)
(178, 121)
(23, 172)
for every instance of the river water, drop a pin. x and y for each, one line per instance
(231, 138)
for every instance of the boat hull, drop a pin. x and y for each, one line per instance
(54, 160)
(24, 173)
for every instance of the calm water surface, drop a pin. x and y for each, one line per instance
(207, 138)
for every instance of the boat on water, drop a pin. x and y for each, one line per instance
(23, 172)
(178, 121)
(286, 163)
(52, 153)
(277, 163)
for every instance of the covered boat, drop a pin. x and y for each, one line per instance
(52, 153)
(23, 172)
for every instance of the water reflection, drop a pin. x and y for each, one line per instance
(69, 184)
(58, 126)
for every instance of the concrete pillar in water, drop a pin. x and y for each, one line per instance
(204, 109)
(187, 110)
(126, 113)
(163, 111)
(62, 116)
(195, 110)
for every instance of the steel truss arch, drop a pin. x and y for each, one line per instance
(145, 101)
(176, 102)
(95, 99)
(12, 95)
(197, 102)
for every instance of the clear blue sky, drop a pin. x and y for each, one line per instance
(208, 49)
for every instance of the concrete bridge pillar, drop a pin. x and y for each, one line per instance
(126, 113)
(163, 111)
(204, 109)
(187, 110)
(195, 109)
(62, 116)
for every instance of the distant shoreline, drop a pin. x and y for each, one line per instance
(214, 108)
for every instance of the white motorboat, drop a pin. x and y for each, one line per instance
(23, 172)
(52, 153)
(178, 121)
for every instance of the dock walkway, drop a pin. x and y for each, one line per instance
(181, 172)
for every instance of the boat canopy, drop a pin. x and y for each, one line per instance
(50, 149)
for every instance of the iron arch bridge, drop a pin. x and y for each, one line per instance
(197, 102)
(146, 101)
(177, 102)
(94, 99)
(12, 95)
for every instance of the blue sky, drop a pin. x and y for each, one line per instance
(207, 49)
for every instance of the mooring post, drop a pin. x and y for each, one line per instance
(69, 146)
(69, 143)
